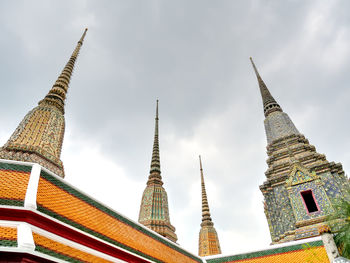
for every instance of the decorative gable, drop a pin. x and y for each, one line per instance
(299, 174)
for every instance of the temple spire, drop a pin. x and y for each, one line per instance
(206, 219)
(154, 208)
(155, 172)
(269, 103)
(208, 238)
(39, 137)
(57, 94)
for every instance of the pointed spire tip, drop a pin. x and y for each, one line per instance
(269, 103)
(83, 36)
(157, 110)
(255, 69)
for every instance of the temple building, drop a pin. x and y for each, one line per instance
(45, 219)
(301, 186)
(154, 209)
(208, 238)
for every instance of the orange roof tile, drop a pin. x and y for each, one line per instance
(53, 248)
(308, 252)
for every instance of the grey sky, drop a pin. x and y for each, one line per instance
(194, 57)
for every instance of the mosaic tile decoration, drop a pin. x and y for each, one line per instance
(333, 185)
(40, 132)
(299, 175)
(208, 241)
(154, 211)
(310, 252)
(279, 125)
(61, 251)
(295, 167)
(279, 212)
(68, 205)
(14, 180)
(8, 236)
(154, 204)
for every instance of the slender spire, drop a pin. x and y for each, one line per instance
(206, 219)
(269, 103)
(154, 208)
(208, 238)
(155, 172)
(57, 94)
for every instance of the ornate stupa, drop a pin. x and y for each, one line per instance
(39, 137)
(208, 238)
(301, 185)
(154, 209)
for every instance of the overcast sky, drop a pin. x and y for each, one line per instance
(194, 57)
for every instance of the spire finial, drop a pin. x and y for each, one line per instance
(206, 219)
(57, 94)
(255, 69)
(269, 103)
(81, 40)
(155, 176)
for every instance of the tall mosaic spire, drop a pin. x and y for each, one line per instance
(301, 186)
(154, 209)
(39, 137)
(208, 238)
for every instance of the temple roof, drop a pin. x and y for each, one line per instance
(68, 224)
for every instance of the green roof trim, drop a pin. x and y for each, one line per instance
(268, 252)
(16, 167)
(11, 202)
(110, 212)
(8, 243)
(55, 254)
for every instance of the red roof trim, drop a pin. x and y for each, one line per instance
(66, 232)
